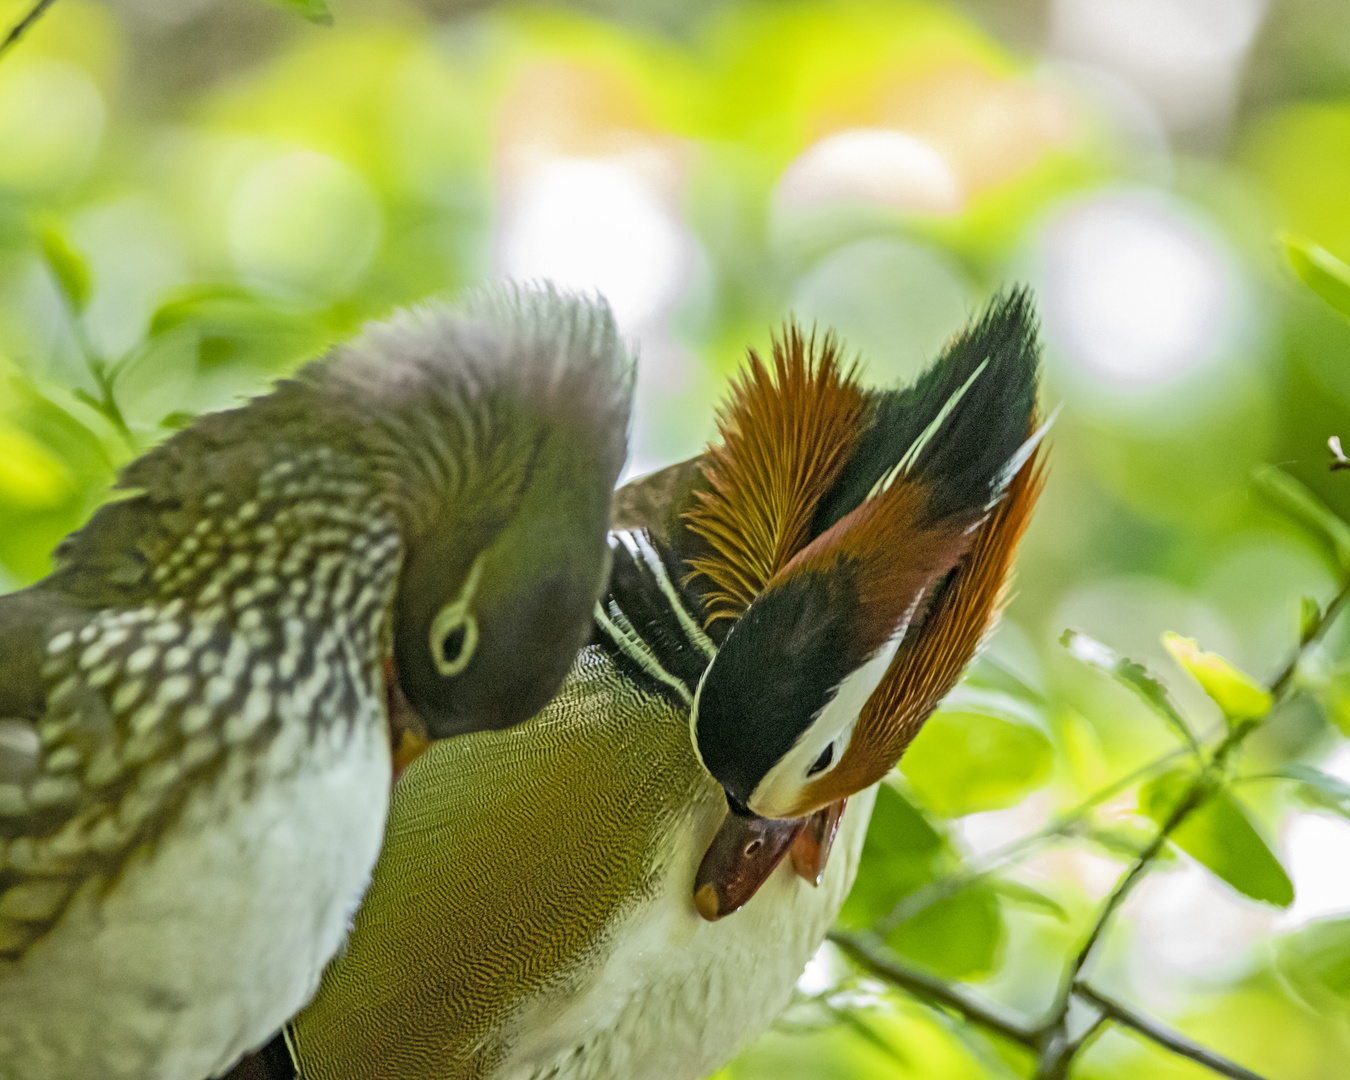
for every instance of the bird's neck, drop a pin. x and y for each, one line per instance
(652, 627)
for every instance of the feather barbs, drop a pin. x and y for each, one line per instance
(962, 615)
(786, 434)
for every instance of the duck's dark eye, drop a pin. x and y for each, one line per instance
(822, 762)
(453, 644)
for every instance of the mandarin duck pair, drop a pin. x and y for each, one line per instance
(555, 900)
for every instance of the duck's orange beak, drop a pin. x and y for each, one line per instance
(407, 733)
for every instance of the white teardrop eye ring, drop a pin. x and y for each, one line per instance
(454, 636)
(454, 630)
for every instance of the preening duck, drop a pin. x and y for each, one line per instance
(406, 538)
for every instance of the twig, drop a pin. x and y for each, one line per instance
(1200, 789)
(1282, 680)
(868, 956)
(1196, 794)
(1061, 825)
(1050, 1039)
(24, 25)
(105, 404)
(1163, 1036)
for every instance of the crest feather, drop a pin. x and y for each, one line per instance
(934, 654)
(786, 435)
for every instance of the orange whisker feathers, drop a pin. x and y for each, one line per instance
(785, 436)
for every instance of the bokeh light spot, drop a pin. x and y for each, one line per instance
(303, 227)
(871, 165)
(51, 121)
(894, 302)
(1135, 293)
(592, 224)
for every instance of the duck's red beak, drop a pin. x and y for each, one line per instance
(747, 849)
(811, 848)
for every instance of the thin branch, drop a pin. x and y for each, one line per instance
(1194, 797)
(1200, 789)
(1062, 825)
(868, 956)
(24, 25)
(1282, 680)
(105, 379)
(1163, 1036)
(1050, 1039)
(1197, 793)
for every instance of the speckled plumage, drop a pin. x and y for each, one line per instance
(290, 592)
(533, 927)
(539, 910)
(194, 745)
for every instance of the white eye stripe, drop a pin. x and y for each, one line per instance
(456, 615)
(780, 790)
(442, 630)
(1024, 452)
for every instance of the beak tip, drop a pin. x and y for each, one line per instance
(707, 903)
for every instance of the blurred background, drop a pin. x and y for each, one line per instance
(195, 195)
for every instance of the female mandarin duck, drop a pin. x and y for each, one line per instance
(782, 615)
(196, 706)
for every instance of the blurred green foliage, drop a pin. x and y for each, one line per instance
(192, 205)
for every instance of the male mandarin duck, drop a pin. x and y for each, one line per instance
(782, 615)
(406, 538)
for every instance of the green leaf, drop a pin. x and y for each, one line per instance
(216, 310)
(1315, 961)
(1309, 618)
(902, 852)
(315, 11)
(1297, 502)
(1016, 892)
(967, 761)
(959, 936)
(66, 265)
(1318, 790)
(1237, 694)
(31, 478)
(1219, 834)
(1335, 700)
(1133, 676)
(1320, 270)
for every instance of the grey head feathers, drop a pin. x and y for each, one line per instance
(430, 501)
(489, 433)
(516, 349)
